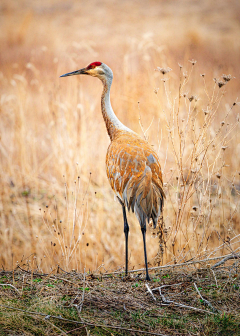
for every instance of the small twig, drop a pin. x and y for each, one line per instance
(149, 126)
(228, 257)
(63, 270)
(22, 269)
(46, 316)
(6, 284)
(178, 284)
(206, 301)
(54, 326)
(81, 304)
(214, 276)
(150, 291)
(140, 122)
(54, 277)
(169, 302)
(75, 329)
(44, 281)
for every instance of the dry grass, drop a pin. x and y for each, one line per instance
(56, 206)
(204, 302)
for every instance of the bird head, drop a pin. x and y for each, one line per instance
(95, 69)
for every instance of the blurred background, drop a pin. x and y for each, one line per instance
(56, 205)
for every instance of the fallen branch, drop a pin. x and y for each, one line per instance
(226, 258)
(165, 266)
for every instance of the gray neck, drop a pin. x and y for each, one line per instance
(113, 124)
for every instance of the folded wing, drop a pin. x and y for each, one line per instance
(135, 176)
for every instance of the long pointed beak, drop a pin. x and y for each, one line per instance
(77, 72)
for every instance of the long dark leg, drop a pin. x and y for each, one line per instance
(143, 229)
(126, 230)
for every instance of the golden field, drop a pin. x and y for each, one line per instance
(56, 205)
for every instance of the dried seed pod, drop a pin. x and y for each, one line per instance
(227, 78)
(193, 61)
(205, 111)
(191, 98)
(220, 84)
(163, 70)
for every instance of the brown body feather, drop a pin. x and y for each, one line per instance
(135, 175)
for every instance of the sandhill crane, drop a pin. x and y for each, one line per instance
(133, 168)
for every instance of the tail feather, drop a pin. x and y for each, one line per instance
(144, 197)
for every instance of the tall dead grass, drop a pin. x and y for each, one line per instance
(56, 206)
